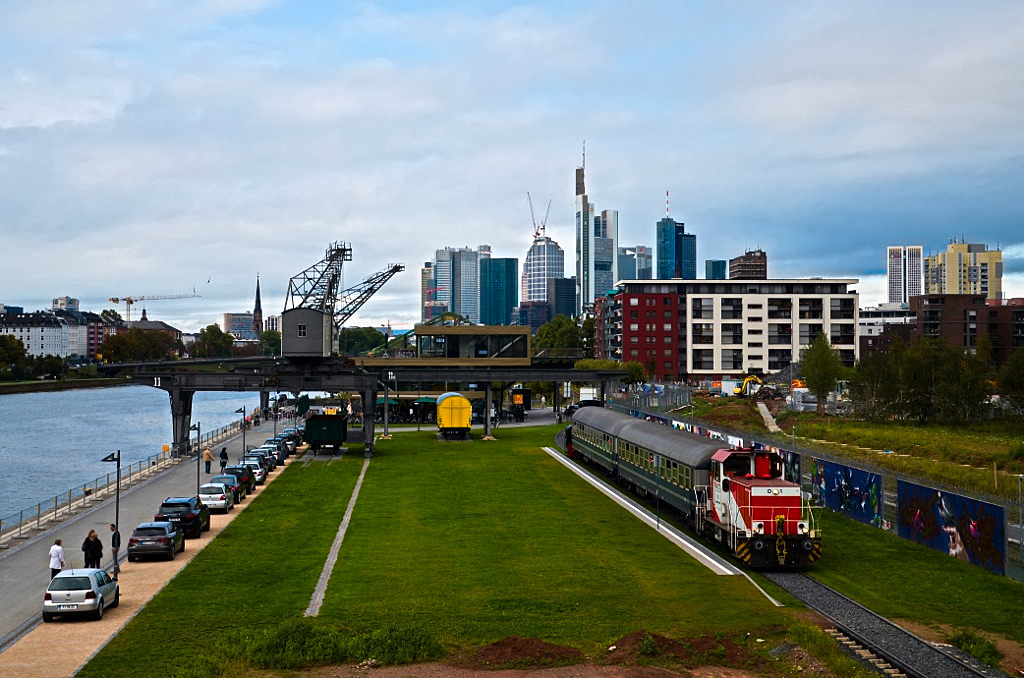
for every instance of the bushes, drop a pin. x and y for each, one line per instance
(304, 642)
(977, 646)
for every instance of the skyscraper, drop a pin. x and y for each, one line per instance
(677, 250)
(626, 263)
(905, 270)
(751, 265)
(596, 238)
(457, 279)
(544, 260)
(714, 269)
(964, 269)
(498, 295)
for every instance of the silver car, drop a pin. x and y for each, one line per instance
(217, 496)
(86, 590)
(258, 472)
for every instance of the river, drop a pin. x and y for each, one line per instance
(52, 442)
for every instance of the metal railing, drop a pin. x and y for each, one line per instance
(28, 522)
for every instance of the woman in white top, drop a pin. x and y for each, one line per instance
(56, 558)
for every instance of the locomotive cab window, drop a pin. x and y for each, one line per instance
(737, 466)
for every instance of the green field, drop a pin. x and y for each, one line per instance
(456, 545)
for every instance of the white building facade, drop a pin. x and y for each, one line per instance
(544, 260)
(905, 273)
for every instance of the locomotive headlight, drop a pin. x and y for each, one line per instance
(758, 528)
(802, 527)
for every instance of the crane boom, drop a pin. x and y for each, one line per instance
(351, 299)
(128, 301)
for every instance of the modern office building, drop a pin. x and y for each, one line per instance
(596, 248)
(498, 290)
(751, 265)
(561, 297)
(677, 250)
(715, 269)
(635, 263)
(533, 314)
(457, 279)
(697, 330)
(905, 272)
(544, 260)
(964, 269)
(239, 325)
(626, 263)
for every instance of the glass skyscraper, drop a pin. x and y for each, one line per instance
(677, 251)
(498, 290)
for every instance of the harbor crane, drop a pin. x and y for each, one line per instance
(128, 301)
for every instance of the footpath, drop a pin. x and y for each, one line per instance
(30, 648)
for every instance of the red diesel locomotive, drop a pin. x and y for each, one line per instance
(735, 497)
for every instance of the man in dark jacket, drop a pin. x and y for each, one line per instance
(115, 546)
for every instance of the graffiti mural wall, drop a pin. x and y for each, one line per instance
(965, 528)
(843, 489)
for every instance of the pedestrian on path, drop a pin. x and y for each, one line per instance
(115, 546)
(93, 549)
(223, 458)
(208, 457)
(56, 558)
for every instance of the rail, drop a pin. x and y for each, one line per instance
(28, 522)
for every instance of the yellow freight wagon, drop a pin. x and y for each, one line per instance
(454, 415)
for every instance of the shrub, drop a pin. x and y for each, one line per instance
(647, 645)
(977, 646)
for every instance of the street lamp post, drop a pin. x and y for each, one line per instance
(794, 438)
(116, 457)
(199, 443)
(241, 411)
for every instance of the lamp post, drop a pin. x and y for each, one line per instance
(199, 443)
(241, 411)
(116, 457)
(794, 438)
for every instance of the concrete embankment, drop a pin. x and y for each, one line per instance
(44, 386)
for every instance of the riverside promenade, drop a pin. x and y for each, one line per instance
(24, 567)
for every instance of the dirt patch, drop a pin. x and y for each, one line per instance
(516, 652)
(641, 646)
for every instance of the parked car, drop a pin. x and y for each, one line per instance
(258, 472)
(281, 440)
(239, 490)
(583, 403)
(190, 515)
(87, 591)
(155, 539)
(262, 459)
(244, 475)
(217, 496)
(269, 453)
(276, 452)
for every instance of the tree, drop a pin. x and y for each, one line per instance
(270, 342)
(359, 340)
(874, 386)
(12, 357)
(919, 376)
(1011, 381)
(213, 343)
(588, 334)
(637, 375)
(111, 317)
(137, 345)
(561, 334)
(964, 390)
(820, 367)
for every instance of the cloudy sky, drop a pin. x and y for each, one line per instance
(153, 148)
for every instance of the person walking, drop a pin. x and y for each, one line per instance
(115, 546)
(56, 558)
(208, 458)
(223, 458)
(93, 549)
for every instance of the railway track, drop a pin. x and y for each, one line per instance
(911, 655)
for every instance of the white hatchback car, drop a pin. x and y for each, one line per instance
(85, 590)
(217, 496)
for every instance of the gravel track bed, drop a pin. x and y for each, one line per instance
(901, 648)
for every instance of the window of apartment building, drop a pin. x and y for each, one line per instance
(755, 319)
(667, 327)
(667, 314)
(754, 344)
(754, 306)
(732, 359)
(666, 301)
(780, 308)
(841, 333)
(633, 327)
(732, 308)
(703, 333)
(842, 309)
(732, 333)
(634, 339)
(633, 353)
(755, 331)
(633, 301)
(666, 339)
(634, 314)
(703, 308)
(703, 359)
(811, 308)
(780, 333)
(668, 352)
(808, 331)
(779, 358)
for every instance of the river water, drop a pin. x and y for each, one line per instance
(52, 442)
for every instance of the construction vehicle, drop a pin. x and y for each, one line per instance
(748, 386)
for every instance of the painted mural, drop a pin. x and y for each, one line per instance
(843, 489)
(965, 528)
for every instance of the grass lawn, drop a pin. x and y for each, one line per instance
(482, 540)
(261, 569)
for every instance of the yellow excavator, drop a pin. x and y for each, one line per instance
(743, 389)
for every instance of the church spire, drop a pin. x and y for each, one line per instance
(257, 312)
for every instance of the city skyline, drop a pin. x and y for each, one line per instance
(151, 150)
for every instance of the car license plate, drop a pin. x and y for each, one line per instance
(148, 541)
(67, 607)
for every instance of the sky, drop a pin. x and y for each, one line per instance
(151, 148)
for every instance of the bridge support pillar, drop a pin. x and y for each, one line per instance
(369, 411)
(487, 413)
(181, 420)
(264, 402)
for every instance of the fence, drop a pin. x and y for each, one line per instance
(30, 521)
(1013, 546)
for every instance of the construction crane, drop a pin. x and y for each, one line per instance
(538, 230)
(128, 301)
(350, 300)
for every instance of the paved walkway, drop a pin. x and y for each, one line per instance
(24, 569)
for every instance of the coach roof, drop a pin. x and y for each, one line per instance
(686, 448)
